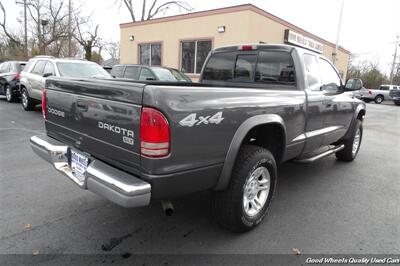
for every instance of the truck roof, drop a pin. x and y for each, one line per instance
(262, 46)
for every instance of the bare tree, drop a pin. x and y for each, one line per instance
(49, 24)
(152, 8)
(86, 38)
(12, 45)
(368, 71)
(112, 49)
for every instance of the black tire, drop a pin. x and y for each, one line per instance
(397, 102)
(367, 100)
(27, 103)
(228, 205)
(10, 94)
(379, 99)
(347, 154)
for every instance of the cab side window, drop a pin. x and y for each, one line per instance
(145, 74)
(3, 67)
(131, 72)
(38, 68)
(358, 85)
(49, 69)
(117, 71)
(330, 78)
(312, 72)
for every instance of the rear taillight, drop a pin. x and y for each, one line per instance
(17, 76)
(154, 133)
(44, 104)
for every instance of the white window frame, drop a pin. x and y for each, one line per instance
(151, 44)
(195, 53)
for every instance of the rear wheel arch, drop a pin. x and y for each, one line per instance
(3, 87)
(260, 130)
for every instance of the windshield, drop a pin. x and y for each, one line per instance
(165, 74)
(82, 70)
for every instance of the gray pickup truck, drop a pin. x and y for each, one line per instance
(255, 107)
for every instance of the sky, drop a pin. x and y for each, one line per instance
(369, 27)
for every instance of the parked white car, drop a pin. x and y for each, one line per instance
(33, 77)
(379, 95)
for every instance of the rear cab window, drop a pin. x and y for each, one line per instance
(258, 67)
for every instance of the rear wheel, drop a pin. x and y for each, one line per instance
(27, 103)
(244, 204)
(397, 102)
(10, 95)
(379, 99)
(351, 144)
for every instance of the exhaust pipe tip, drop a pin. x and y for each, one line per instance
(167, 207)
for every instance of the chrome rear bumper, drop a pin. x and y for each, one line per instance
(115, 185)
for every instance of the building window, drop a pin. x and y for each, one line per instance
(150, 54)
(193, 55)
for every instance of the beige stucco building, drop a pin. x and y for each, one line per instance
(183, 41)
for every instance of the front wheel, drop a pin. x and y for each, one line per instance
(27, 103)
(10, 96)
(352, 144)
(379, 99)
(244, 204)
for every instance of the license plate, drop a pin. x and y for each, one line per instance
(79, 164)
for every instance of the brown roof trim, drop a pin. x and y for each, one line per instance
(231, 9)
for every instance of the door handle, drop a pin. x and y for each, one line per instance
(82, 105)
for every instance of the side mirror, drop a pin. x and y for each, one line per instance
(331, 89)
(45, 75)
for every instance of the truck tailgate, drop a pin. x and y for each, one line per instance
(100, 117)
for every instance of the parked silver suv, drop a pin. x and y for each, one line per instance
(33, 77)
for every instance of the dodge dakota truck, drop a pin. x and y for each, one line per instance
(255, 107)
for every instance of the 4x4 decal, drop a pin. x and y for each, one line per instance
(194, 120)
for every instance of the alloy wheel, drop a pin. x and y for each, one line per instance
(8, 93)
(256, 191)
(356, 142)
(24, 99)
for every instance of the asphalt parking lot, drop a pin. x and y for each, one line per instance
(325, 207)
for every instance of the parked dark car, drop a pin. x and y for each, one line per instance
(394, 93)
(143, 73)
(9, 79)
